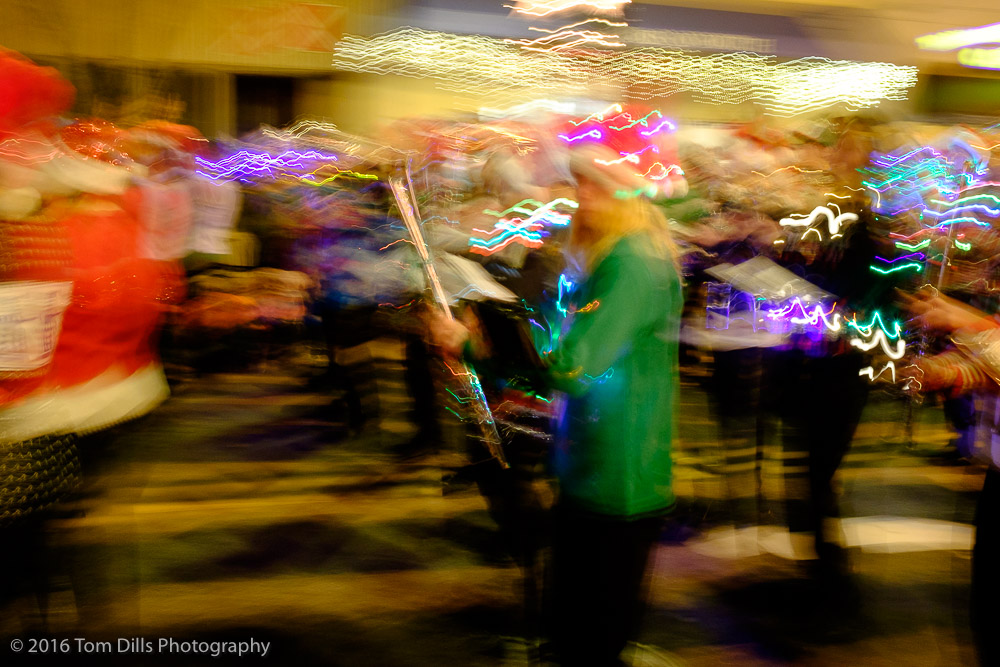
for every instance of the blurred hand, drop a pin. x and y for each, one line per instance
(940, 313)
(446, 334)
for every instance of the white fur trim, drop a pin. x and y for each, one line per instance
(108, 399)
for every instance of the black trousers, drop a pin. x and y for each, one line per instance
(736, 392)
(598, 572)
(985, 593)
(821, 400)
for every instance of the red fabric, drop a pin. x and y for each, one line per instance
(188, 138)
(95, 138)
(115, 312)
(165, 213)
(29, 93)
(623, 132)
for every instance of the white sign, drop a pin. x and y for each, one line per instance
(30, 320)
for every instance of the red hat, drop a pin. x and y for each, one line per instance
(29, 93)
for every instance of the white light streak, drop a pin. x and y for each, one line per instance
(489, 67)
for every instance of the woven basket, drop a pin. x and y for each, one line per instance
(35, 474)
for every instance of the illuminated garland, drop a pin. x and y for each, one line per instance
(486, 66)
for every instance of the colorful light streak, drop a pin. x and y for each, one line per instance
(347, 173)
(791, 167)
(872, 376)
(514, 224)
(531, 107)
(394, 306)
(866, 330)
(602, 378)
(834, 222)
(896, 269)
(389, 245)
(644, 121)
(599, 115)
(301, 128)
(918, 246)
(541, 8)
(663, 171)
(564, 39)
(629, 157)
(956, 221)
(880, 339)
(919, 255)
(636, 154)
(610, 24)
(962, 205)
(541, 213)
(949, 40)
(991, 212)
(516, 138)
(246, 163)
(504, 233)
(904, 182)
(797, 317)
(594, 134)
(665, 124)
(565, 287)
(812, 318)
(9, 148)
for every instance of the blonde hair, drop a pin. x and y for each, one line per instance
(624, 211)
(622, 218)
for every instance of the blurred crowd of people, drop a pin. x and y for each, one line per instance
(586, 260)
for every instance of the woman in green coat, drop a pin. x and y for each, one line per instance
(617, 363)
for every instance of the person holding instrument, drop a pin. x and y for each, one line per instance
(617, 365)
(972, 366)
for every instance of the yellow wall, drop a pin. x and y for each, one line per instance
(361, 104)
(249, 35)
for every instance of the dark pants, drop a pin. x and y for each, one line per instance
(598, 570)
(106, 576)
(736, 394)
(961, 413)
(347, 327)
(821, 401)
(985, 594)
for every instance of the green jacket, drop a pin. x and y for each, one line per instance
(618, 364)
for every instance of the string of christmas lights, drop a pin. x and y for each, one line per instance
(486, 66)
